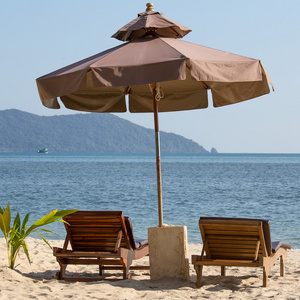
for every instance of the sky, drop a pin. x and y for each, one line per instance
(38, 37)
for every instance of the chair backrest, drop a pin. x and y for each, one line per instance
(235, 238)
(129, 229)
(96, 230)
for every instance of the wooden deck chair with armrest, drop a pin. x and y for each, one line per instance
(240, 243)
(102, 238)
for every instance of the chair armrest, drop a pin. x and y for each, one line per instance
(141, 242)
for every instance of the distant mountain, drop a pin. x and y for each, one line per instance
(95, 132)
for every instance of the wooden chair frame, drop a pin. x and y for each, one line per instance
(236, 242)
(98, 238)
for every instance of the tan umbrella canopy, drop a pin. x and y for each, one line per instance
(151, 21)
(158, 72)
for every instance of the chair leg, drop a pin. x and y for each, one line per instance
(126, 274)
(61, 274)
(282, 261)
(223, 271)
(58, 276)
(199, 269)
(265, 277)
(126, 266)
(100, 270)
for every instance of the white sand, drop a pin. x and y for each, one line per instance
(37, 281)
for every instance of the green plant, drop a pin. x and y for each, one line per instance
(15, 236)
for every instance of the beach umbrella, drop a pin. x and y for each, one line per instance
(158, 72)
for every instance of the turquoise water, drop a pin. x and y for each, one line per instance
(228, 185)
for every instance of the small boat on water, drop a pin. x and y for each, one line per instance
(43, 150)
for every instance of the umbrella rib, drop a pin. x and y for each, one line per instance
(205, 85)
(176, 33)
(128, 90)
(132, 34)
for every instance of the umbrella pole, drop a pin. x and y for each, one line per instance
(158, 163)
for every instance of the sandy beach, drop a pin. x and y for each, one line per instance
(37, 280)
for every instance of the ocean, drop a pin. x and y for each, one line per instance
(263, 186)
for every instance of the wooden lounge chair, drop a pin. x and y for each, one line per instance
(102, 238)
(240, 243)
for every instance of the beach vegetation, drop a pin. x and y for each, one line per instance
(15, 235)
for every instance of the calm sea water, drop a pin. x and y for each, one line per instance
(227, 185)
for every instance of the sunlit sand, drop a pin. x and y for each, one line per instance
(37, 281)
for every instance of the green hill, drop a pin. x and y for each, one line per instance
(25, 132)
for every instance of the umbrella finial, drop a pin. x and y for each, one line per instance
(149, 7)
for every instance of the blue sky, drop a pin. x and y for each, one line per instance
(38, 37)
